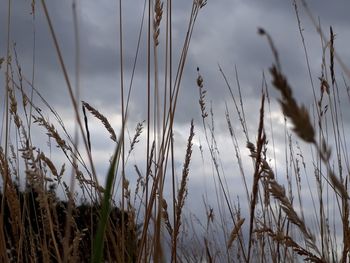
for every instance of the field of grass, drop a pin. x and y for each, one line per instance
(63, 212)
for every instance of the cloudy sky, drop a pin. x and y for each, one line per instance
(225, 34)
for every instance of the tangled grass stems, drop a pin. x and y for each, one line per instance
(304, 129)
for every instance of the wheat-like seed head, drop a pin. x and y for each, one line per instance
(102, 118)
(52, 132)
(158, 13)
(235, 232)
(138, 132)
(165, 215)
(298, 114)
(182, 193)
(202, 93)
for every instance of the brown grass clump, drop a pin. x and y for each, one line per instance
(44, 217)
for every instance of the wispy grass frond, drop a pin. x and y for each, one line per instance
(102, 118)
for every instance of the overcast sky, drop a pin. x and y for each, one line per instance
(225, 33)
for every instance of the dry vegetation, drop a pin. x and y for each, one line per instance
(271, 225)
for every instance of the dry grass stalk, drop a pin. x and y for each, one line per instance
(182, 193)
(331, 54)
(207, 251)
(139, 182)
(50, 164)
(158, 13)
(298, 114)
(235, 232)
(261, 140)
(210, 216)
(165, 214)
(324, 87)
(202, 93)
(262, 32)
(102, 118)
(87, 128)
(346, 230)
(13, 108)
(138, 132)
(338, 185)
(127, 193)
(279, 193)
(286, 240)
(52, 132)
(3, 164)
(201, 3)
(13, 162)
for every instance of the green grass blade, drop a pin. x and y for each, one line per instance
(105, 209)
